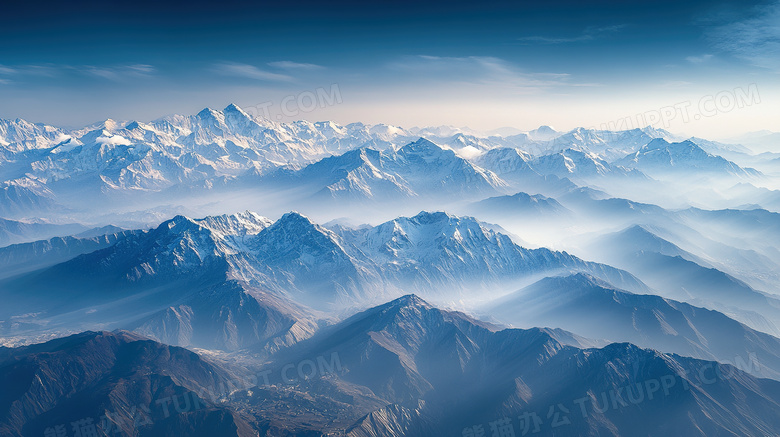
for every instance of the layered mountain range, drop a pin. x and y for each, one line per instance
(47, 170)
(402, 368)
(429, 281)
(176, 275)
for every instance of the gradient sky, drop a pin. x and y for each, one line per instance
(479, 64)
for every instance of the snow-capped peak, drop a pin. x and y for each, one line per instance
(243, 223)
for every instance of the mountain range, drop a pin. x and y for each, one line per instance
(255, 270)
(47, 170)
(402, 368)
(396, 281)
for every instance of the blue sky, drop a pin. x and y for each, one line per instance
(478, 64)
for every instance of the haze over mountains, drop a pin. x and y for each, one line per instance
(45, 168)
(312, 279)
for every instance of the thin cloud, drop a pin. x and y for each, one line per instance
(102, 72)
(290, 65)
(481, 70)
(120, 73)
(249, 72)
(755, 38)
(46, 70)
(114, 73)
(142, 68)
(699, 59)
(589, 34)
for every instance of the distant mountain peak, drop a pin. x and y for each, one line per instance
(209, 114)
(637, 229)
(422, 143)
(543, 133)
(359, 156)
(578, 278)
(409, 300)
(661, 156)
(109, 124)
(249, 215)
(241, 223)
(657, 132)
(294, 217)
(293, 228)
(233, 108)
(178, 220)
(426, 217)
(178, 225)
(657, 143)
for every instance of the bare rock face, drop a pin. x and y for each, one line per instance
(112, 382)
